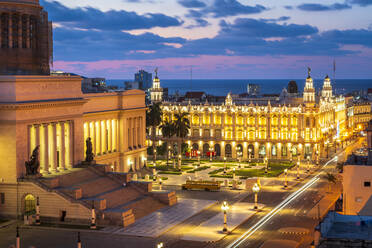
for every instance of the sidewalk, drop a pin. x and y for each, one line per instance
(158, 222)
(211, 230)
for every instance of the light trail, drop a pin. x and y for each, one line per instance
(277, 209)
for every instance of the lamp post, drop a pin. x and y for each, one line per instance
(326, 143)
(317, 157)
(308, 164)
(249, 154)
(155, 156)
(255, 190)
(224, 165)
(160, 183)
(168, 155)
(37, 222)
(285, 178)
(210, 154)
(224, 208)
(239, 158)
(291, 154)
(234, 173)
(179, 161)
(298, 170)
(198, 158)
(266, 164)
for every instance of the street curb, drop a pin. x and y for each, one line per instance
(8, 223)
(60, 228)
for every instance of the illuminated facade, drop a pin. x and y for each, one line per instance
(297, 127)
(156, 92)
(52, 112)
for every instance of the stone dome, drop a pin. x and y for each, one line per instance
(292, 87)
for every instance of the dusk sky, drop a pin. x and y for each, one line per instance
(220, 39)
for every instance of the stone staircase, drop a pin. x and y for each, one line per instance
(117, 199)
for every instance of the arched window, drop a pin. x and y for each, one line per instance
(206, 119)
(294, 121)
(228, 151)
(228, 120)
(195, 120)
(274, 151)
(251, 150)
(274, 120)
(30, 205)
(262, 151)
(251, 120)
(205, 149)
(217, 119)
(262, 120)
(239, 120)
(217, 149)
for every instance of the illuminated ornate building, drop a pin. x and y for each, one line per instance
(264, 127)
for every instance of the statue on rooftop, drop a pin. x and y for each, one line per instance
(308, 71)
(32, 166)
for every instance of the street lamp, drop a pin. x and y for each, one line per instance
(298, 170)
(249, 154)
(285, 178)
(255, 189)
(168, 155)
(224, 165)
(239, 158)
(224, 208)
(198, 157)
(266, 164)
(160, 183)
(210, 154)
(179, 160)
(234, 173)
(308, 163)
(317, 157)
(155, 156)
(160, 245)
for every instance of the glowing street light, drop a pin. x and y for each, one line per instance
(240, 158)
(224, 165)
(179, 160)
(234, 173)
(249, 154)
(160, 245)
(224, 208)
(298, 170)
(198, 157)
(266, 164)
(308, 164)
(169, 153)
(285, 178)
(160, 183)
(255, 189)
(210, 154)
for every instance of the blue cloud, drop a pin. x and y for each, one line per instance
(92, 18)
(192, 3)
(223, 8)
(362, 3)
(258, 28)
(322, 7)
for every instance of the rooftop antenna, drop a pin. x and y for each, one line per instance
(190, 77)
(334, 73)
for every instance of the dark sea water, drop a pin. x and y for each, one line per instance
(221, 87)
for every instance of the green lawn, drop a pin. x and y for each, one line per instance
(201, 168)
(170, 172)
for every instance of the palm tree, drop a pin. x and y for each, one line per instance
(153, 119)
(181, 127)
(167, 129)
(331, 179)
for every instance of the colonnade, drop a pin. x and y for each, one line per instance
(17, 30)
(55, 141)
(135, 132)
(103, 134)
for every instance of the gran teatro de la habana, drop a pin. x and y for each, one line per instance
(292, 125)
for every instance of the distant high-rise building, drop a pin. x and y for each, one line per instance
(26, 45)
(144, 79)
(253, 89)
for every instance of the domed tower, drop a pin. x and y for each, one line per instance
(26, 46)
(309, 91)
(327, 88)
(156, 92)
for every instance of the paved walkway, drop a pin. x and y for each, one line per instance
(155, 224)
(210, 230)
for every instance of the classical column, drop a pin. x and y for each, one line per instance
(98, 137)
(54, 147)
(10, 30)
(62, 143)
(109, 128)
(37, 135)
(103, 136)
(27, 31)
(20, 31)
(93, 137)
(45, 167)
(135, 132)
(113, 127)
(70, 144)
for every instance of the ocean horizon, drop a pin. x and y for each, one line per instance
(221, 87)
